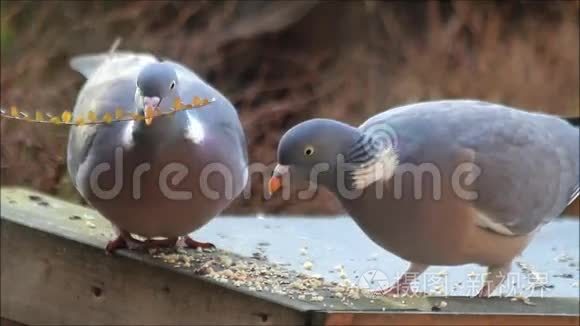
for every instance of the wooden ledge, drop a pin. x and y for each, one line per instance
(54, 271)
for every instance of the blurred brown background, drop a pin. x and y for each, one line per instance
(283, 62)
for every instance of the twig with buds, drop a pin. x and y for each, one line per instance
(120, 114)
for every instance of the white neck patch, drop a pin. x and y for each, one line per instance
(127, 136)
(195, 131)
(382, 167)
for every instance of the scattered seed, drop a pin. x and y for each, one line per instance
(317, 298)
(523, 299)
(226, 261)
(442, 273)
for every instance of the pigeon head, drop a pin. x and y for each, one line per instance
(311, 150)
(156, 83)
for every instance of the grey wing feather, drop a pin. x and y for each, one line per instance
(529, 161)
(80, 143)
(87, 64)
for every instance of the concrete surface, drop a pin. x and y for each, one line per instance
(330, 242)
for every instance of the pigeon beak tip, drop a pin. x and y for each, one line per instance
(274, 184)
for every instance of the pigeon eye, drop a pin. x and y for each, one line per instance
(172, 86)
(309, 150)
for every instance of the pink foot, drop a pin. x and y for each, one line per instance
(484, 292)
(123, 241)
(126, 241)
(118, 243)
(190, 243)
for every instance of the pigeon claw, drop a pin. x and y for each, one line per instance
(118, 243)
(126, 241)
(123, 241)
(484, 292)
(190, 243)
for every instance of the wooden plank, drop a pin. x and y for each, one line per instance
(403, 318)
(47, 279)
(54, 270)
(574, 209)
(7, 322)
(78, 224)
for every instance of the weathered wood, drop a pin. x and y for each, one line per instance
(6, 322)
(574, 209)
(64, 277)
(47, 279)
(403, 318)
(54, 270)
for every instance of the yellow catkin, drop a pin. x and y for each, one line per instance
(66, 116)
(119, 113)
(149, 112)
(107, 118)
(91, 116)
(187, 105)
(177, 105)
(14, 111)
(55, 120)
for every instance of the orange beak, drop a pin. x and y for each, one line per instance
(275, 182)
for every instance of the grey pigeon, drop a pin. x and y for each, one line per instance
(444, 182)
(165, 179)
